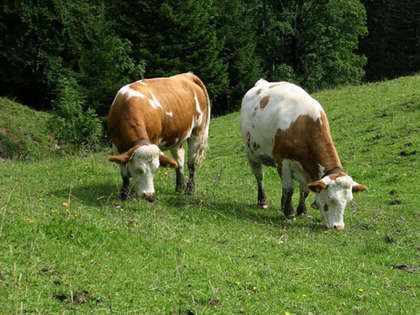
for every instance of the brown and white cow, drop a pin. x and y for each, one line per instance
(284, 127)
(152, 115)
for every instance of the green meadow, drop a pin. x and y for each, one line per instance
(68, 245)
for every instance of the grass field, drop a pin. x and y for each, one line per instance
(23, 132)
(68, 246)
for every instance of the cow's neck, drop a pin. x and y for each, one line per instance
(325, 157)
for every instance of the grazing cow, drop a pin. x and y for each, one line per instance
(284, 127)
(151, 115)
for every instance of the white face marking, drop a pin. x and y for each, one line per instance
(332, 200)
(170, 114)
(143, 166)
(287, 102)
(128, 92)
(154, 102)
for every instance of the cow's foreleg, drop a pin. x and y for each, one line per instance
(125, 188)
(285, 173)
(259, 176)
(301, 209)
(179, 155)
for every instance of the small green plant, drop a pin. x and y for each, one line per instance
(70, 123)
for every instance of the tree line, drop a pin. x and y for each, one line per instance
(75, 55)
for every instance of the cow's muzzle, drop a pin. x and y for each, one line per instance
(151, 197)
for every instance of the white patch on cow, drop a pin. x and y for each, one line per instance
(179, 156)
(154, 102)
(286, 102)
(189, 132)
(141, 82)
(333, 200)
(293, 170)
(197, 104)
(143, 166)
(326, 180)
(170, 114)
(261, 82)
(321, 170)
(128, 92)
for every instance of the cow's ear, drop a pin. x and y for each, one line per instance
(120, 158)
(166, 161)
(356, 187)
(317, 186)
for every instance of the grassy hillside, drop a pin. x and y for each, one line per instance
(67, 244)
(23, 132)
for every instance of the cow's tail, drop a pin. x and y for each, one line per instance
(202, 146)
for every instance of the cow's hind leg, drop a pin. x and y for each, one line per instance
(196, 151)
(259, 176)
(285, 173)
(179, 155)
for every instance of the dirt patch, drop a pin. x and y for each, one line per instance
(214, 301)
(77, 298)
(395, 202)
(389, 239)
(405, 267)
(407, 153)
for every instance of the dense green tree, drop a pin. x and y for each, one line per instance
(393, 44)
(48, 39)
(172, 37)
(237, 31)
(312, 42)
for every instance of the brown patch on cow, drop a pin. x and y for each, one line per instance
(166, 161)
(358, 188)
(258, 92)
(133, 119)
(123, 157)
(264, 101)
(317, 186)
(308, 142)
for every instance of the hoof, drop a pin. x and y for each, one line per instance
(122, 196)
(290, 217)
(179, 189)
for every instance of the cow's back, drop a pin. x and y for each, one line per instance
(268, 108)
(161, 110)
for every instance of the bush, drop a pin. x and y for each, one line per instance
(70, 123)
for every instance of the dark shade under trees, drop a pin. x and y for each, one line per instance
(392, 46)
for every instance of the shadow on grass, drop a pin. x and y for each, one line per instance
(91, 195)
(106, 194)
(238, 210)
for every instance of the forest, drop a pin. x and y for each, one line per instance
(72, 56)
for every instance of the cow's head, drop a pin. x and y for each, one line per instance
(332, 195)
(142, 162)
